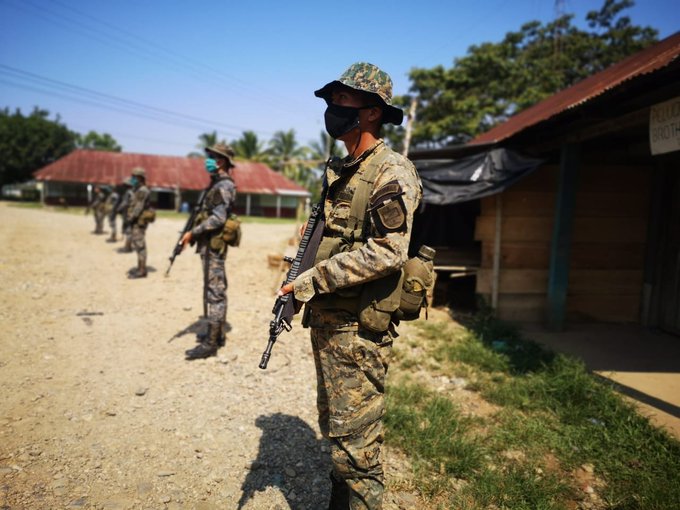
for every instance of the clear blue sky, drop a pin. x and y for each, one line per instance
(235, 66)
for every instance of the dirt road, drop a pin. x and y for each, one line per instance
(100, 410)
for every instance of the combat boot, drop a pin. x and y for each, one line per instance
(111, 239)
(339, 494)
(209, 346)
(203, 337)
(140, 272)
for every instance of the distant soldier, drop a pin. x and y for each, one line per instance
(208, 234)
(97, 205)
(122, 209)
(139, 216)
(110, 209)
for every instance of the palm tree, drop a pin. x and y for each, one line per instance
(323, 148)
(285, 150)
(249, 148)
(206, 140)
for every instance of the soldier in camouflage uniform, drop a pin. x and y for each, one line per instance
(110, 209)
(359, 253)
(97, 205)
(122, 209)
(140, 202)
(207, 231)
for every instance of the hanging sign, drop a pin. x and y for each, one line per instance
(664, 127)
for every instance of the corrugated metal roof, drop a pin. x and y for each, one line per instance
(88, 166)
(644, 62)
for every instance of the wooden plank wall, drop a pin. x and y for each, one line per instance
(607, 255)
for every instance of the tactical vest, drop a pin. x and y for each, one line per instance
(397, 296)
(230, 235)
(373, 302)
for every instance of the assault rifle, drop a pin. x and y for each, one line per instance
(284, 306)
(187, 227)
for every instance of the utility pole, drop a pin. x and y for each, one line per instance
(409, 125)
(557, 38)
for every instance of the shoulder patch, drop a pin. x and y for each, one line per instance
(385, 192)
(390, 216)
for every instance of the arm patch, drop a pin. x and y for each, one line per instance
(388, 210)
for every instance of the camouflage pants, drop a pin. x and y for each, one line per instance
(98, 222)
(214, 286)
(350, 372)
(112, 225)
(138, 242)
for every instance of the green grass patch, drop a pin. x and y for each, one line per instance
(515, 487)
(25, 205)
(555, 417)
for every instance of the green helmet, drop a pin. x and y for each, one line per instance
(222, 149)
(138, 171)
(367, 78)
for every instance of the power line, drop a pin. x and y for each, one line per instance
(120, 134)
(113, 103)
(24, 86)
(104, 98)
(148, 51)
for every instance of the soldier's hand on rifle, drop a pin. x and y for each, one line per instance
(186, 238)
(302, 228)
(286, 289)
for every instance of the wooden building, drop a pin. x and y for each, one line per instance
(594, 233)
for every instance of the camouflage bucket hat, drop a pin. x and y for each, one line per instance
(223, 150)
(367, 78)
(139, 171)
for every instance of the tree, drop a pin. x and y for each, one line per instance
(287, 154)
(323, 148)
(205, 140)
(94, 140)
(28, 143)
(249, 148)
(497, 80)
(318, 153)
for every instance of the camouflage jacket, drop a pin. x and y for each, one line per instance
(98, 202)
(111, 202)
(217, 205)
(125, 202)
(140, 201)
(385, 249)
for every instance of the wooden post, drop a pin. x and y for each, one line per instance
(653, 246)
(409, 125)
(558, 274)
(495, 282)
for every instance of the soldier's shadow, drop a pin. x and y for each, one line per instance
(199, 326)
(149, 269)
(289, 458)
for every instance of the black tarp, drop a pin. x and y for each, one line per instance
(453, 181)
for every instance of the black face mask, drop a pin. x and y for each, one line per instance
(340, 120)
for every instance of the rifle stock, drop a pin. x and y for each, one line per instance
(284, 306)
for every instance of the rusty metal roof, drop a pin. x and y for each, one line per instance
(162, 172)
(644, 62)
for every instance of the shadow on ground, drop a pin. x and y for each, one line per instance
(290, 458)
(200, 326)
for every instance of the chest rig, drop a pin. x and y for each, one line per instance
(347, 229)
(345, 207)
